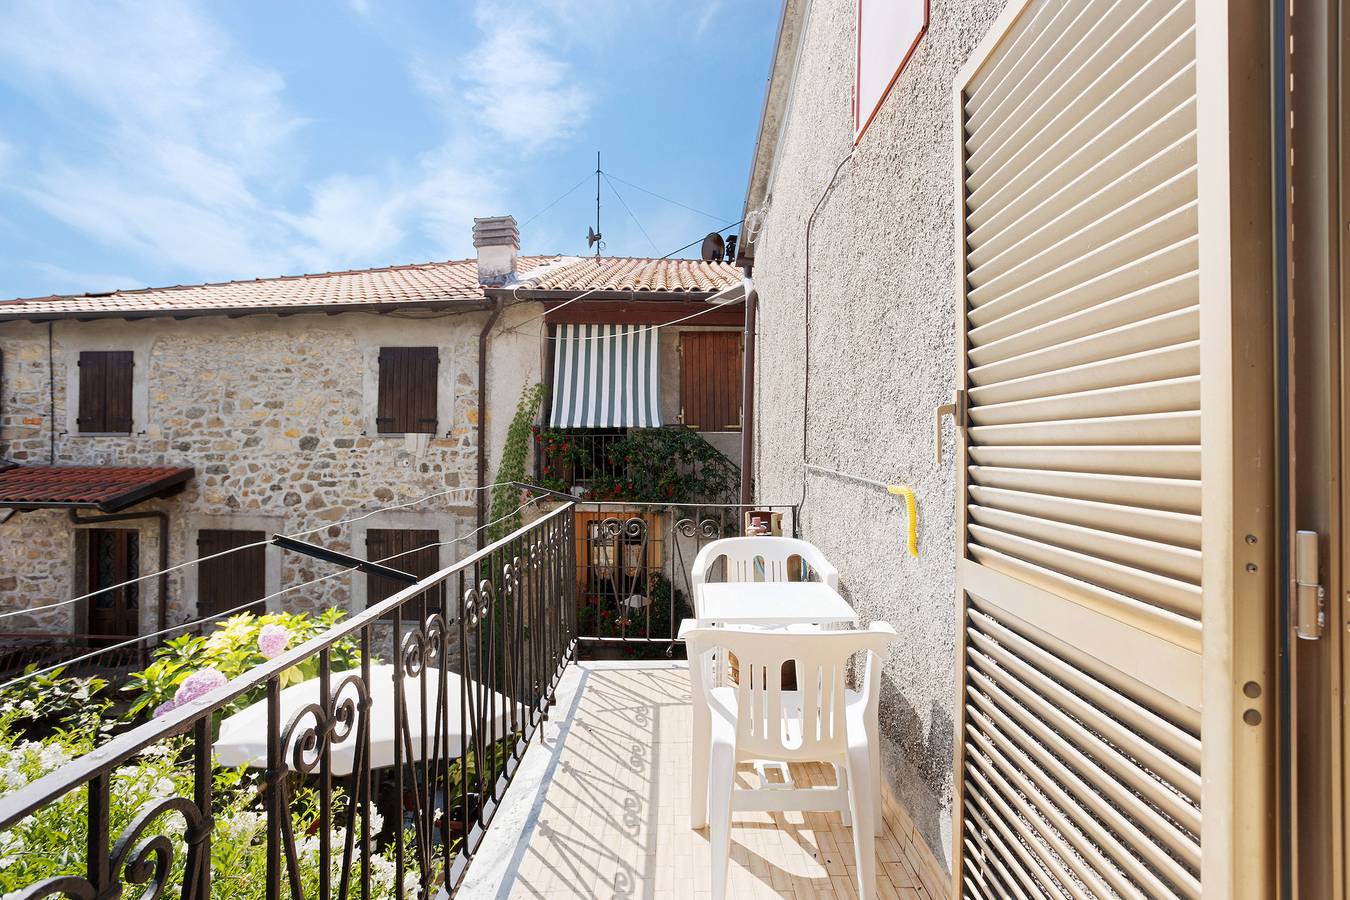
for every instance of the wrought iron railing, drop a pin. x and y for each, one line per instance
(457, 737)
(578, 457)
(634, 562)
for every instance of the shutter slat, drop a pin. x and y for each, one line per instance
(1166, 330)
(1153, 62)
(1092, 262)
(1178, 529)
(1164, 363)
(1009, 727)
(1157, 462)
(1169, 594)
(1158, 557)
(1144, 193)
(1150, 42)
(1164, 494)
(1156, 429)
(1147, 800)
(1170, 395)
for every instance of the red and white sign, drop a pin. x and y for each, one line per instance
(888, 33)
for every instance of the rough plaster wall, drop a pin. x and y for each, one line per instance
(883, 356)
(275, 416)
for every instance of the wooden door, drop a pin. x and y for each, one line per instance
(113, 557)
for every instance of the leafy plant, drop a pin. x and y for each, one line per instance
(43, 703)
(666, 465)
(234, 647)
(505, 493)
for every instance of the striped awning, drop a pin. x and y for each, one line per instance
(605, 376)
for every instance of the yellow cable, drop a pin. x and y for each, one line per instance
(911, 512)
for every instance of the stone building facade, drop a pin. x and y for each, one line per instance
(270, 390)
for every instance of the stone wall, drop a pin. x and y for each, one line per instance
(277, 417)
(883, 333)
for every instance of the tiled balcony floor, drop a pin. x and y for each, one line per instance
(610, 816)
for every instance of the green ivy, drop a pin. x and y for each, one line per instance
(506, 495)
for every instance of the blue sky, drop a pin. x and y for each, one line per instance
(175, 142)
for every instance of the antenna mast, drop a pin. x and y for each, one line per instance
(597, 201)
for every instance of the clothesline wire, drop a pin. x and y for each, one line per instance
(201, 559)
(243, 606)
(646, 328)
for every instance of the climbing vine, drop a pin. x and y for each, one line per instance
(506, 495)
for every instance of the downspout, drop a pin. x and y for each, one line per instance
(482, 505)
(163, 518)
(748, 391)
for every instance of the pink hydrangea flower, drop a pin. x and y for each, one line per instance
(199, 683)
(272, 640)
(165, 707)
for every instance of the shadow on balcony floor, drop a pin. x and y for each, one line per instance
(601, 809)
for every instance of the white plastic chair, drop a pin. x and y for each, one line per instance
(759, 559)
(756, 719)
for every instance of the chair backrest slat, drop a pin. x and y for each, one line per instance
(813, 722)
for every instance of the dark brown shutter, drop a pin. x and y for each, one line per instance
(105, 391)
(710, 380)
(234, 579)
(410, 550)
(407, 394)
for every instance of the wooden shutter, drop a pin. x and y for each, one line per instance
(411, 550)
(1079, 751)
(234, 579)
(710, 380)
(407, 392)
(105, 391)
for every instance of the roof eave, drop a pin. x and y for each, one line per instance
(777, 92)
(464, 304)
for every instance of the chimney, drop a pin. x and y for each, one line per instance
(497, 239)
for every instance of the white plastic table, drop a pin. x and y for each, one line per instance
(773, 603)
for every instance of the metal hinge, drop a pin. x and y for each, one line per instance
(1310, 598)
(957, 410)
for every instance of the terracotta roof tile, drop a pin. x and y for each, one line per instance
(634, 274)
(419, 283)
(107, 487)
(424, 282)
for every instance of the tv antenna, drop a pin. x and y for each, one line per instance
(593, 234)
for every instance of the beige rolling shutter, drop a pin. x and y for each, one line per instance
(1080, 744)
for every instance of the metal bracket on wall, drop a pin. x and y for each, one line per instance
(957, 410)
(1310, 611)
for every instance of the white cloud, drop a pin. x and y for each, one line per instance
(707, 17)
(512, 82)
(67, 281)
(187, 144)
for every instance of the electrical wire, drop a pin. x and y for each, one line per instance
(661, 197)
(704, 238)
(624, 203)
(201, 559)
(806, 325)
(243, 606)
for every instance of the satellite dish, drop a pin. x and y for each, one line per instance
(592, 237)
(713, 247)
